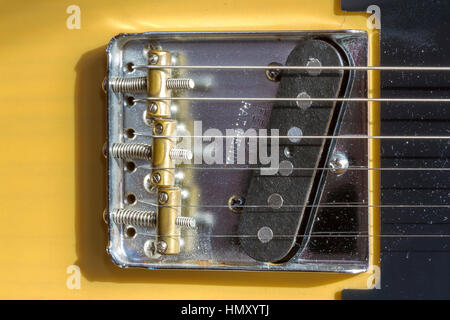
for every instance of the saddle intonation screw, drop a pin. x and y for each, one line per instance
(163, 197)
(161, 246)
(129, 85)
(156, 178)
(153, 107)
(180, 83)
(180, 154)
(132, 151)
(139, 84)
(139, 218)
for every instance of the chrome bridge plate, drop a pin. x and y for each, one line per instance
(333, 219)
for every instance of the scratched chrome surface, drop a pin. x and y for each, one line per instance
(205, 247)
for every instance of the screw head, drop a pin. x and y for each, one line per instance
(156, 178)
(236, 203)
(150, 249)
(159, 128)
(163, 197)
(288, 153)
(161, 246)
(273, 74)
(148, 184)
(153, 107)
(153, 58)
(338, 163)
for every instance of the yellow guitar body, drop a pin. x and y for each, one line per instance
(53, 122)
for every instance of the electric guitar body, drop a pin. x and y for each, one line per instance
(237, 150)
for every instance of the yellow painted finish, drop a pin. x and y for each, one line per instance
(52, 116)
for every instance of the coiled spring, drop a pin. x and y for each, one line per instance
(129, 85)
(146, 218)
(131, 151)
(180, 83)
(180, 154)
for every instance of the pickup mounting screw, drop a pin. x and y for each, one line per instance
(131, 151)
(338, 163)
(273, 74)
(236, 203)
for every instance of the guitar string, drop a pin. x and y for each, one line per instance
(434, 100)
(296, 168)
(304, 137)
(291, 136)
(324, 205)
(274, 67)
(313, 235)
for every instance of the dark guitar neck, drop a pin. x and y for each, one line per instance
(413, 33)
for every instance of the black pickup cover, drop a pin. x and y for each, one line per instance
(297, 188)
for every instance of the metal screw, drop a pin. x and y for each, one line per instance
(148, 186)
(163, 197)
(153, 58)
(159, 128)
(147, 219)
(156, 178)
(129, 85)
(180, 83)
(313, 62)
(180, 154)
(236, 203)
(139, 84)
(150, 249)
(288, 153)
(131, 151)
(161, 246)
(273, 74)
(153, 107)
(338, 163)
